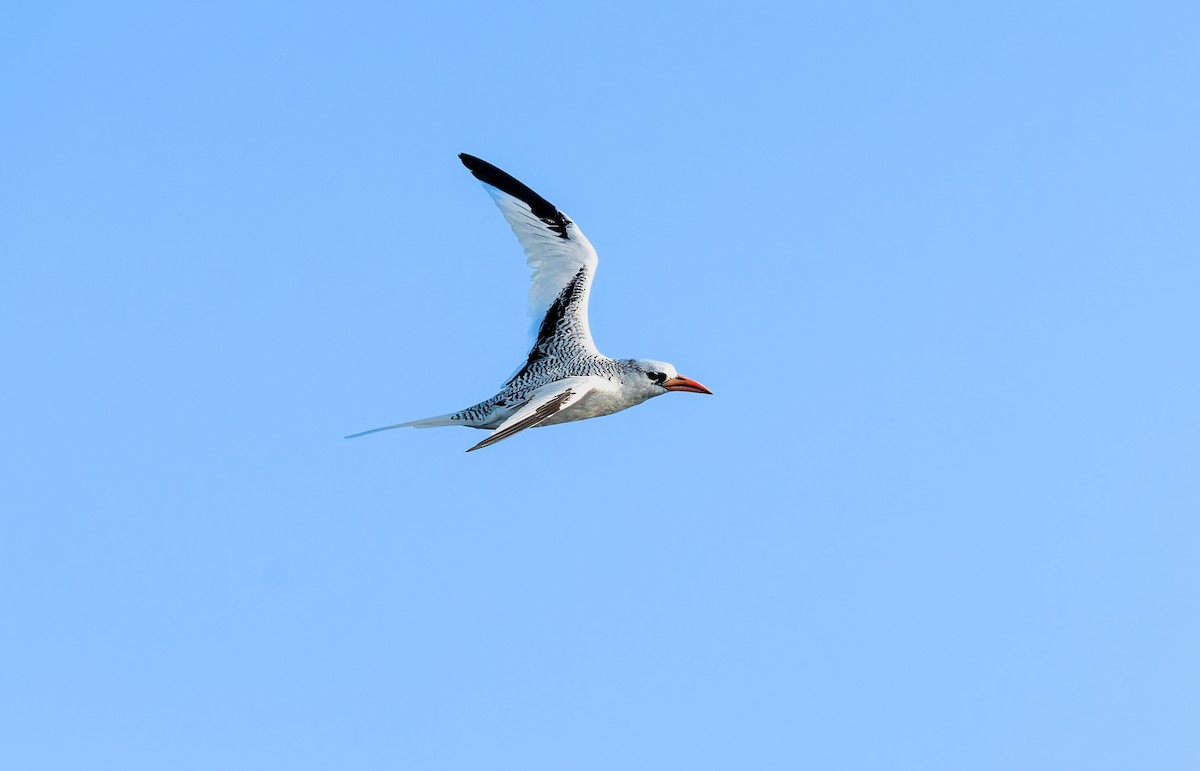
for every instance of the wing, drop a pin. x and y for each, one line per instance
(563, 265)
(547, 401)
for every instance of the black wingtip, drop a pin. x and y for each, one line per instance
(507, 183)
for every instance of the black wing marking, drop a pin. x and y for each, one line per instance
(507, 183)
(557, 331)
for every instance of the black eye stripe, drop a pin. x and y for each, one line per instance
(658, 377)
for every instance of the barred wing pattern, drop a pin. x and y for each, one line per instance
(543, 404)
(563, 263)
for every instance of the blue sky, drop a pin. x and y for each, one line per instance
(938, 263)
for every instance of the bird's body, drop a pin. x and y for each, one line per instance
(564, 378)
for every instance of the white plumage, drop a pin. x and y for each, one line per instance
(554, 260)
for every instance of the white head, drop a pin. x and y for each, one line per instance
(650, 378)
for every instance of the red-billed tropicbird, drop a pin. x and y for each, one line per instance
(564, 378)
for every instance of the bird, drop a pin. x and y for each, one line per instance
(564, 377)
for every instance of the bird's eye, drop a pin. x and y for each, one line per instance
(658, 377)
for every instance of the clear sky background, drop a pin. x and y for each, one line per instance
(939, 264)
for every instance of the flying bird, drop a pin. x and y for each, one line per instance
(564, 377)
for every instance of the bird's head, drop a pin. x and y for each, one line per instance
(658, 377)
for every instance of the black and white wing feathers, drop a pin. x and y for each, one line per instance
(562, 259)
(543, 404)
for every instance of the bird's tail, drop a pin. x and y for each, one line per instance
(440, 420)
